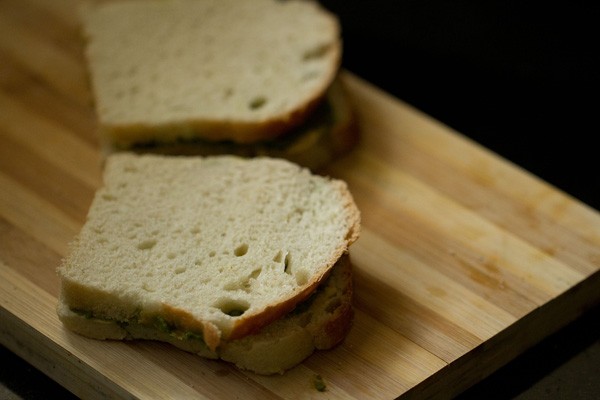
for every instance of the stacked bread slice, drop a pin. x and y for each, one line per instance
(202, 235)
(210, 77)
(233, 258)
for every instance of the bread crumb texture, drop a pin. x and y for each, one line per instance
(208, 242)
(166, 62)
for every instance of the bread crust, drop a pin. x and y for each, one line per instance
(82, 291)
(322, 324)
(123, 131)
(214, 130)
(328, 133)
(251, 324)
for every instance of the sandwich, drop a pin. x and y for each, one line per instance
(239, 259)
(209, 77)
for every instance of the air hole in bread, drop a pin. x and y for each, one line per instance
(231, 286)
(257, 102)
(241, 250)
(278, 257)
(255, 274)
(212, 253)
(180, 269)
(109, 197)
(232, 307)
(148, 287)
(296, 215)
(287, 263)
(171, 255)
(243, 284)
(228, 92)
(316, 52)
(146, 244)
(301, 277)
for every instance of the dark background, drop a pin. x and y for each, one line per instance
(519, 77)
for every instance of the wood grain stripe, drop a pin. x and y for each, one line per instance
(37, 263)
(495, 189)
(40, 219)
(49, 141)
(398, 194)
(49, 62)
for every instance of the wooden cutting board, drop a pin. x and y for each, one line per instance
(465, 260)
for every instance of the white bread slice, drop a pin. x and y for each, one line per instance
(328, 133)
(217, 69)
(321, 322)
(220, 246)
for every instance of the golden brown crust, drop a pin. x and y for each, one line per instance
(241, 132)
(323, 324)
(253, 324)
(185, 321)
(329, 132)
(250, 324)
(335, 328)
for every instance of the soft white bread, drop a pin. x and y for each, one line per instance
(329, 132)
(321, 322)
(244, 71)
(220, 246)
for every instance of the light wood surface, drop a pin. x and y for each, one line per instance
(464, 261)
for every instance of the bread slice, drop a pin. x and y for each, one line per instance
(328, 133)
(220, 246)
(320, 322)
(233, 70)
